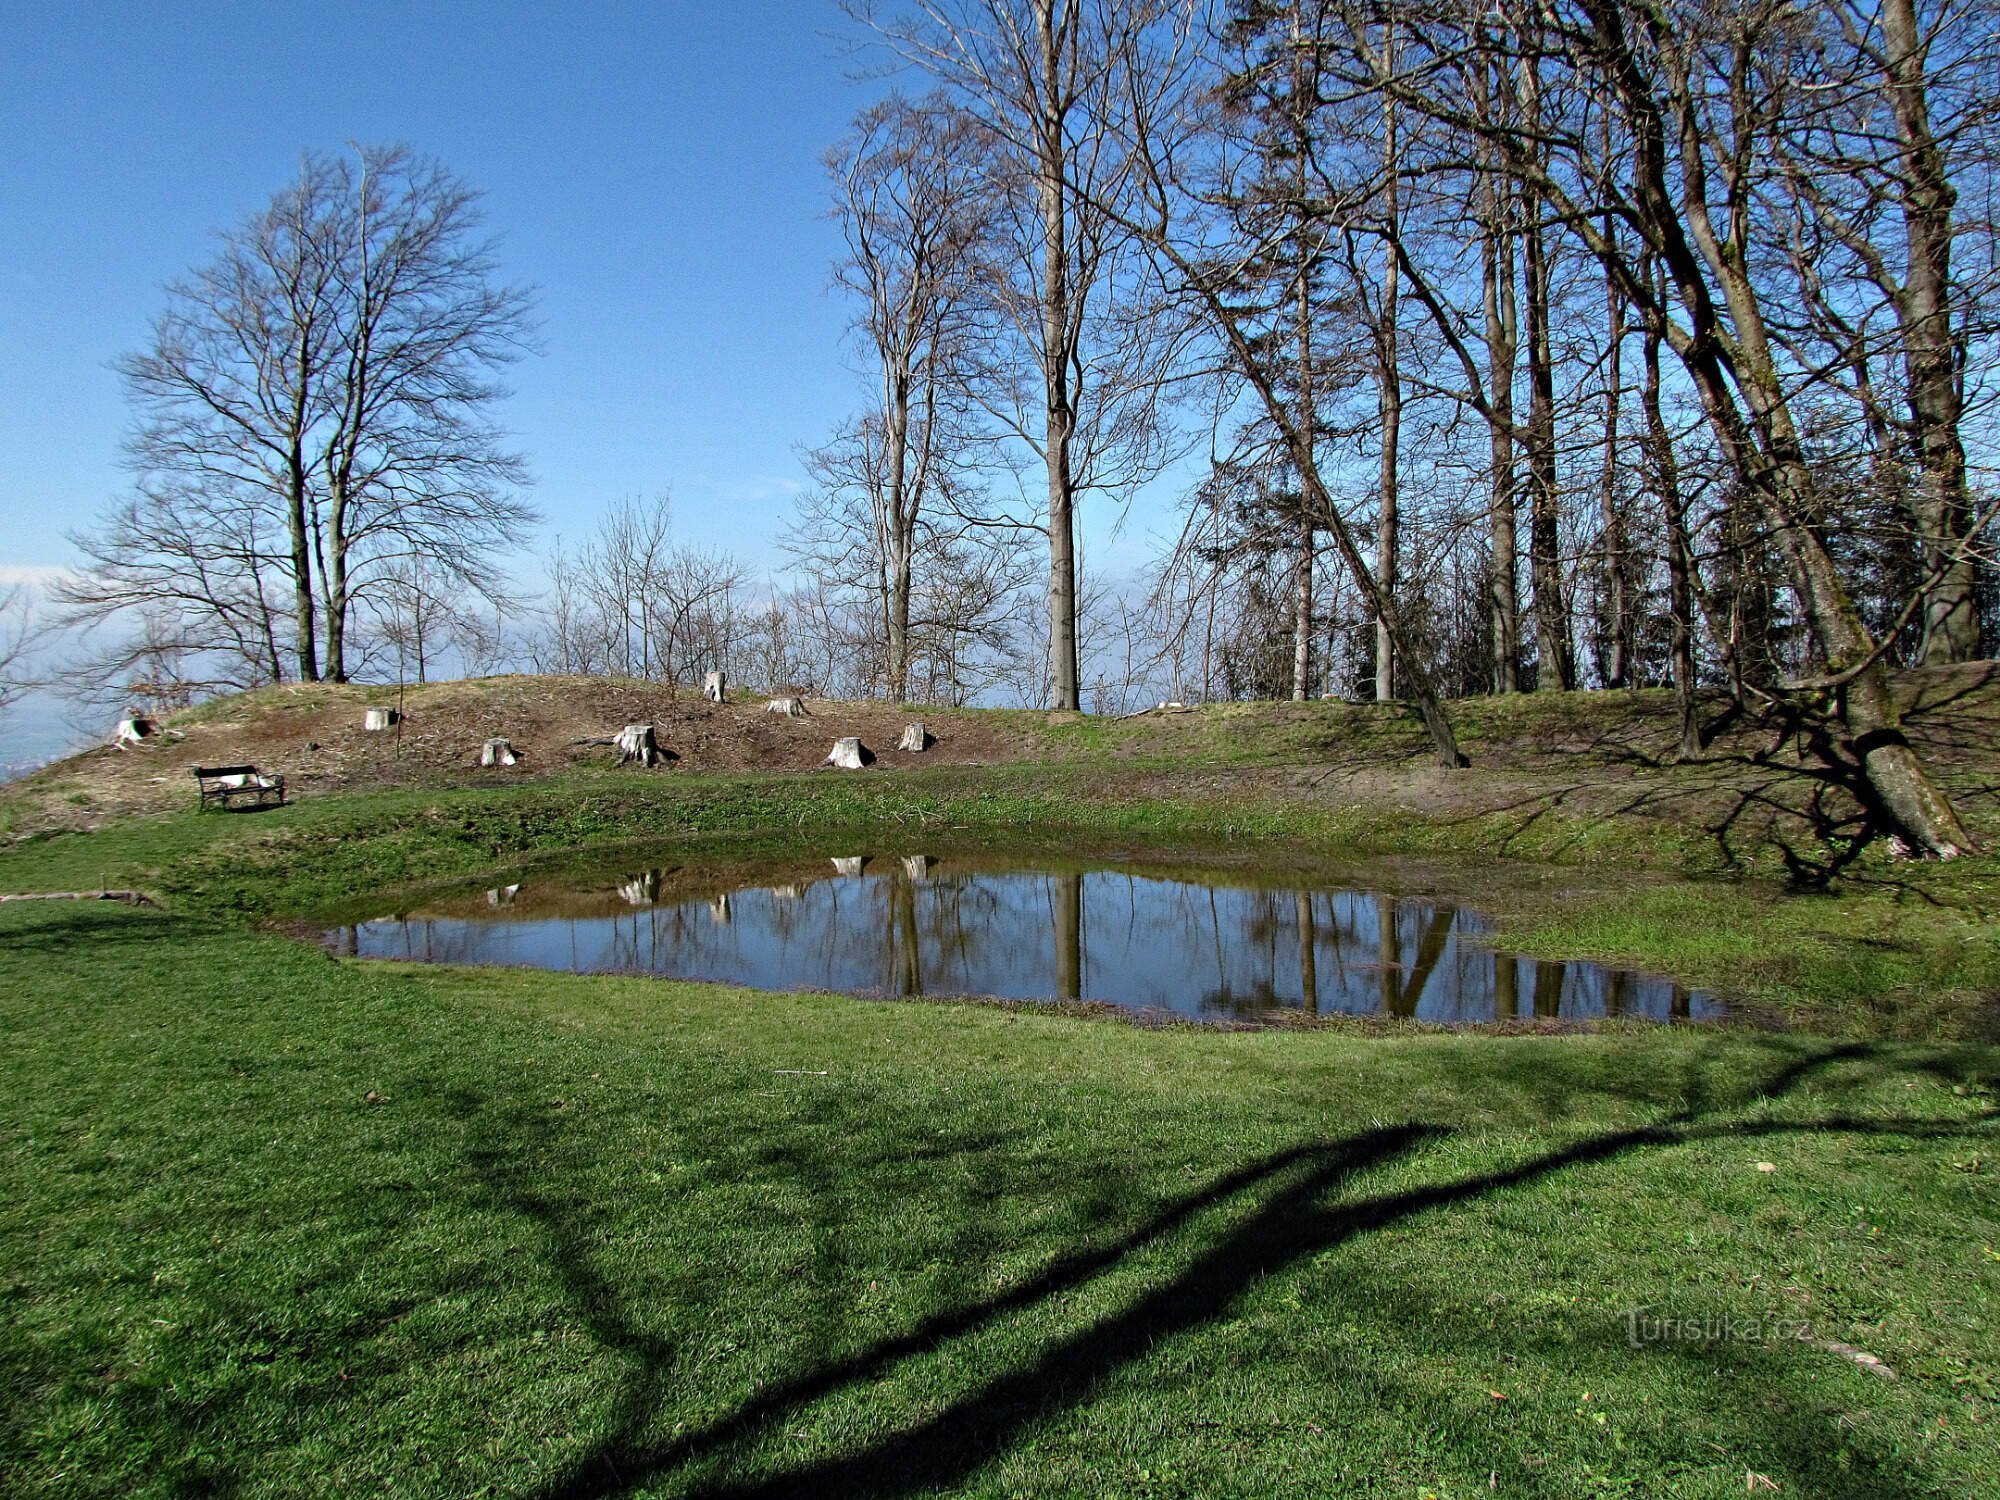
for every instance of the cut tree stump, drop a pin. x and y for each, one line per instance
(850, 864)
(503, 895)
(133, 731)
(498, 753)
(642, 889)
(849, 754)
(636, 742)
(718, 911)
(917, 866)
(378, 718)
(915, 737)
(712, 687)
(791, 708)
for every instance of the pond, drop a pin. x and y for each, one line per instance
(1198, 944)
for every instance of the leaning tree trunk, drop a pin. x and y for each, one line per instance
(1416, 676)
(1759, 438)
(1781, 484)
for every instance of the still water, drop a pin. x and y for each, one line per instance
(1201, 945)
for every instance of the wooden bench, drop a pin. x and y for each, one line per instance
(223, 785)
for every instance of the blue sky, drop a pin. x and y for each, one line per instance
(653, 169)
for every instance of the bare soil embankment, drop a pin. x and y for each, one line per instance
(313, 736)
(1540, 762)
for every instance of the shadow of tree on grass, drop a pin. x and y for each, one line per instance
(1291, 1221)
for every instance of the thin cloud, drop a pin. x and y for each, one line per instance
(759, 488)
(35, 575)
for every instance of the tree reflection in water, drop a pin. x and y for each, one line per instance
(914, 925)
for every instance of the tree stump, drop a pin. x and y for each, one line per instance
(791, 708)
(636, 742)
(133, 731)
(917, 866)
(503, 895)
(378, 719)
(849, 754)
(849, 865)
(498, 753)
(718, 911)
(642, 889)
(712, 687)
(914, 737)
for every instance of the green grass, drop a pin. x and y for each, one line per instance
(276, 1225)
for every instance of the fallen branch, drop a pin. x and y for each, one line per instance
(130, 898)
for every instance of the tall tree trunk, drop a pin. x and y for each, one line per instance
(895, 541)
(1664, 472)
(1302, 582)
(1302, 614)
(1057, 339)
(1555, 667)
(1944, 509)
(304, 612)
(1554, 664)
(1390, 379)
(1617, 665)
(337, 599)
(1502, 335)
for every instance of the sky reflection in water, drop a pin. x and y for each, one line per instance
(911, 925)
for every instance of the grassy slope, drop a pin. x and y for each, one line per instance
(592, 1234)
(275, 1225)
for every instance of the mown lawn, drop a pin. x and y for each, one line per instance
(276, 1225)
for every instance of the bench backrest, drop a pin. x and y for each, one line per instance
(203, 773)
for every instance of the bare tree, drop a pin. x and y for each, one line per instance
(415, 607)
(1040, 78)
(632, 602)
(1205, 229)
(202, 565)
(1687, 192)
(912, 204)
(1897, 101)
(20, 634)
(313, 407)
